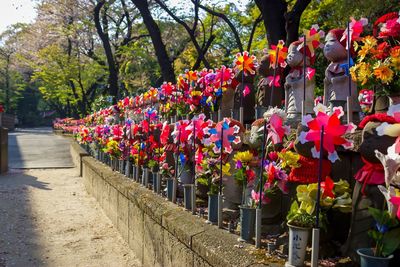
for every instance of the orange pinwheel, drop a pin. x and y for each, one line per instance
(245, 62)
(277, 55)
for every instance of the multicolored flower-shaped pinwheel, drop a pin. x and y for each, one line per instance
(222, 140)
(245, 62)
(277, 55)
(313, 37)
(333, 131)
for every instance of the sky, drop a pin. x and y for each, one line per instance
(13, 11)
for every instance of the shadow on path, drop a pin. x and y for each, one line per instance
(19, 244)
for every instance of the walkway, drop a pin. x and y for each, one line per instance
(46, 216)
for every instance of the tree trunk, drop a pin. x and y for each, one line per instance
(167, 71)
(273, 13)
(112, 67)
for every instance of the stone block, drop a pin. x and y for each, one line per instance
(135, 230)
(219, 248)
(122, 216)
(199, 262)
(176, 254)
(182, 225)
(153, 242)
(113, 208)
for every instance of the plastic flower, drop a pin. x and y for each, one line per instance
(191, 75)
(255, 196)
(277, 54)
(333, 131)
(244, 157)
(289, 159)
(246, 63)
(384, 73)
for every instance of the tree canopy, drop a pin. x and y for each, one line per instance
(76, 51)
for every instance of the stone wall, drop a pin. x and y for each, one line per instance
(159, 232)
(8, 121)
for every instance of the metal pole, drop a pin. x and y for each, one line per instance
(220, 180)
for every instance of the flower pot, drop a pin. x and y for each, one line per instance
(134, 170)
(156, 182)
(212, 209)
(187, 195)
(170, 188)
(298, 238)
(145, 177)
(247, 223)
(128, 167)
(367, 258)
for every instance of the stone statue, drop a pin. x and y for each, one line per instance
(336, 83)
(294, 85)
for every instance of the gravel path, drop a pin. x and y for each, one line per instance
(48, 219)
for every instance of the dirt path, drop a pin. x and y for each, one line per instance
(48, 219)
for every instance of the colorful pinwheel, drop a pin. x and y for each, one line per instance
(333, 131)
(230, 135)
(277, 55)
(312, 37)
(245, 62)
(356, 28)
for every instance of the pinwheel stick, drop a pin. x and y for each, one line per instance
(315, 232)
(262, 163)
(303, 107)
(222, 93)
(241, 97)
(258, 211)
(220, 223)
(273, 81)
(175, 181)
(220, 163)
(349, 101)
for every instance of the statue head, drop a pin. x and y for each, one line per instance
(334, 50)
(295, 55)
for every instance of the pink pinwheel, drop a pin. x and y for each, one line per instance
(245, 62)
(197, 125)
(313, 37)
(333, 131)
(246, 91)
(230, 135)
(276, 129)
(117, 132)
(310, 72)
(356, 28)
(279, 51)
(180, 134)
(274, 81)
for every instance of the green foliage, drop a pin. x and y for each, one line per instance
(386, 233)
(298, 218)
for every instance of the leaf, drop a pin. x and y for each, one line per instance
(391, 241)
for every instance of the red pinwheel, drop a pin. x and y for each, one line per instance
(356, 28)
(165, 133)
(230, 135)
(333, 131)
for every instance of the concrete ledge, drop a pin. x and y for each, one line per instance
(159, 232)
(77, 153)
